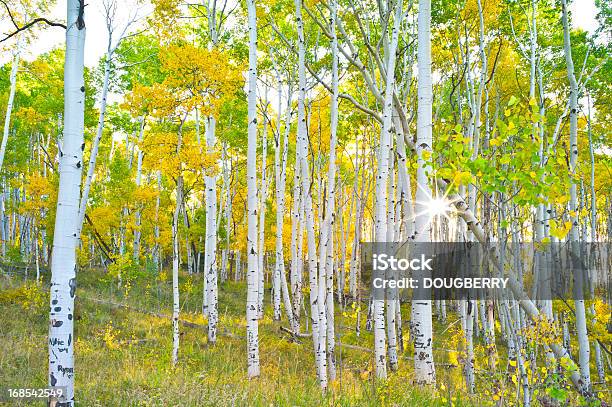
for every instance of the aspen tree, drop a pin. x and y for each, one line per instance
(317, 286)
(110, 8)
(421, 309)
(382, 175)
(11, 98)
(584, 352)
(263, 196)
(65, 239)
(252, 281)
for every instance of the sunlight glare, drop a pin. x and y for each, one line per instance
(438, 206)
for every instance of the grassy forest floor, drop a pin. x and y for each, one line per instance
(124, 343)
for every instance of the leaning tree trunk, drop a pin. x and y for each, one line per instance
(65, 239)
(252, 283)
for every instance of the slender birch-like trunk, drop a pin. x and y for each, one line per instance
(477, 104)
(11, 98)
(210, 257)
(210, 303)
(176, 253)
(65, 239)
(137, 232)
(317, 286)
(227, 210)
(470, 307)
(280, 172)
(357, 229)
(262, 217)
(295, 277)
(157, 247)
(391, 293)
(581, 328)
(329, 311)
(175, 271)
(598, 356)
(252, 283)
(279, 261)
(382, 176)
(325, 294)
(110, 8)
(421, 310)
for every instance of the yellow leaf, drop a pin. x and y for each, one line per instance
(462, 178)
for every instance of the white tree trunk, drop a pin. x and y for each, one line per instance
(598, 356)
(227, 211)
(11, 98)
(65, 240)
(581, 328)
(137, 232)
(296, 240)
(110, 50)
(262, 219)
(317, 286)
(175, 269)
(382, 176)
(280, 171)
(176, 254)
(421, 310)
(210, 243)
(329, 310)
(156, 251)
(391, 293)
(354, 263)
(252, 283)
(326, 261)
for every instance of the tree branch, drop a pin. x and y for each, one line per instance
(28, 25)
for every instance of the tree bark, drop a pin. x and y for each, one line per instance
(581, 328)
(421, 310)
(65, 239)
(252, 282)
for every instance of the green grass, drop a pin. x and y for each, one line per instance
(123, 353)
